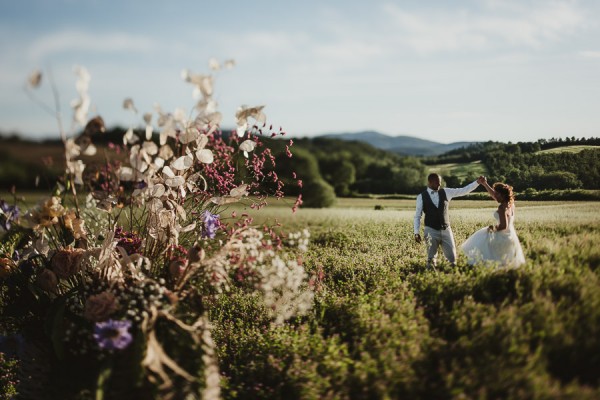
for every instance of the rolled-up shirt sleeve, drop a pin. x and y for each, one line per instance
(418, 213)
(451, 192)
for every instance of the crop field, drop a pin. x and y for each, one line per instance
(384, 326)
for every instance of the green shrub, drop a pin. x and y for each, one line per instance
(317, 194)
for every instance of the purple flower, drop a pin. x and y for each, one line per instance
(8, 214)
(113, 334)
(211, 224)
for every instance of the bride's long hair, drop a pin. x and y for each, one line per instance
(506, 191)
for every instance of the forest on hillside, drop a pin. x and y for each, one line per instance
(333, 167)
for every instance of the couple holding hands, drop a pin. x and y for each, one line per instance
(497, 244)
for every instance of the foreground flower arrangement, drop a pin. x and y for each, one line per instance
(108, 282)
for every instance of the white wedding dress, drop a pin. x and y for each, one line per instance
(501, 248)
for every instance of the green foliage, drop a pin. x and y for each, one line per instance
(8, 377)
(318, 194)
(353, 167)
(524, 166)
(383, 326)
(340, 173)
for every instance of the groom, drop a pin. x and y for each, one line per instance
(434, 202)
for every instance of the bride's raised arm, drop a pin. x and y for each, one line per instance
(483, 181)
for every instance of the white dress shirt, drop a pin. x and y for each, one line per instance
(435, 198)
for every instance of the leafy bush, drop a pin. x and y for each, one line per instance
(317, 194)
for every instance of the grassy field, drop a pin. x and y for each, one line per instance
(568, 149)
(383, 326)
(461, 171)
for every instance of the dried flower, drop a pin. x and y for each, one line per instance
(176, 268)
(35, 79)
(67, 262)
(6, 267)
(245, 112)
(47, 281)
(100, 306)
(113, 334)
(74, 224)
(247, 146)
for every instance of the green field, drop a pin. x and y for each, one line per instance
(385, 327)
(382, 326)
(461, 171)
(568, 149)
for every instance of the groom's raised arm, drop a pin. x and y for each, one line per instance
(452, 192)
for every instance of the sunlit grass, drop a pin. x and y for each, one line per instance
(568, 149)
(459, 170)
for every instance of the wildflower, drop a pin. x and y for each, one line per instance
(211, 224)
(100, 306)
(113, 334)
(8, 214)
(129, 241)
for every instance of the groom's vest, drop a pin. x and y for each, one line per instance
(436, 217)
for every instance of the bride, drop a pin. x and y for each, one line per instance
(497, 244)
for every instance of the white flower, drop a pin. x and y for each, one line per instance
(235, 195)
(130, 137)
(76, 168)
(228, 64)
(205, 156)
(245, 112)
(247, 146)
(128, 105)
(183, 163)
(171, 179)
(214, 64)
(82, 104)
(203, 83)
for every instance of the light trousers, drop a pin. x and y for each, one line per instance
(434, 238)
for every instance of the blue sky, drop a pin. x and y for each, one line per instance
(440, 70)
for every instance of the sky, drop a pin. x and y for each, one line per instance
(447, 71)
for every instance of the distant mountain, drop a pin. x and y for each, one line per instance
(406, 145)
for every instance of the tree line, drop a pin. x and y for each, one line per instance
(524, 166)
(331, 168)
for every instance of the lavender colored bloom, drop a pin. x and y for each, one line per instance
(8, 214)
(113, 334)
(210, 224)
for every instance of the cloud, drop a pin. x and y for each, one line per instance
(66, 41)
(590, 54)
(496, 24)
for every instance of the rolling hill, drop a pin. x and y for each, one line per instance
(405, 145)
